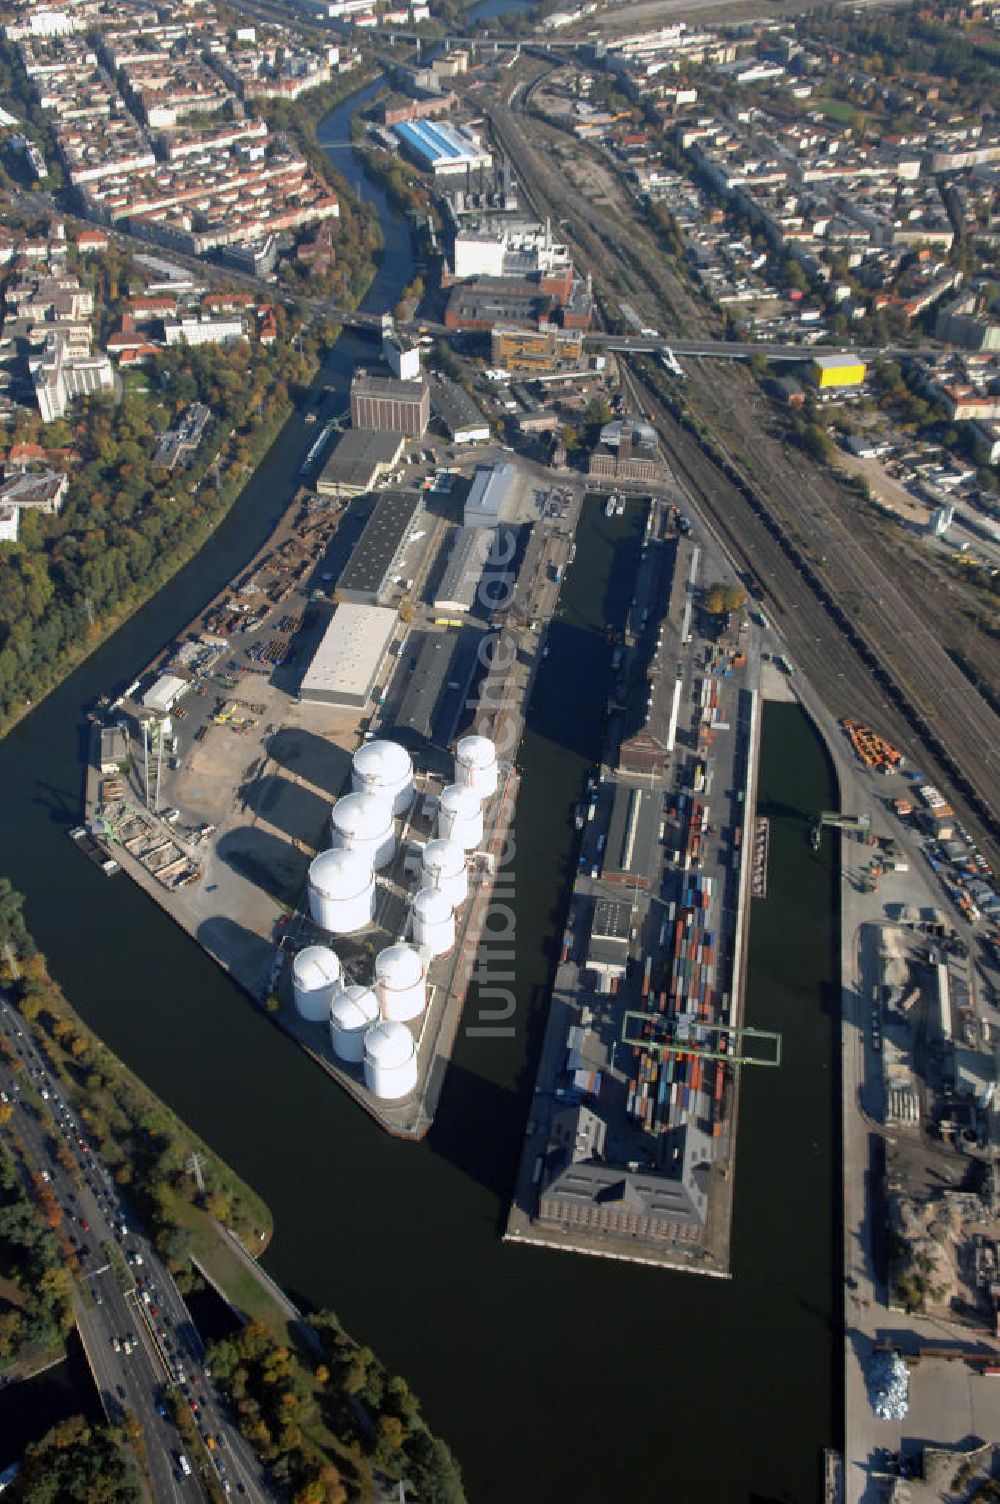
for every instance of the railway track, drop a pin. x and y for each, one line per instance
(848, 666)
(866, 646)
(894, 628)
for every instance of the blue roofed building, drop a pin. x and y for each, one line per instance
(441, 148)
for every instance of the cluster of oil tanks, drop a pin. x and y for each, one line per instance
(368, 1024)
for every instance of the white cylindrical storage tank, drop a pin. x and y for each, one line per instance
(316, 981)
(476, 765)
(362, 822)
(443, 866)
(433, 921)
(400, 983)
(341, 891)
(460, 816)
(384, 769)
(390, 1060)
(351, 1016)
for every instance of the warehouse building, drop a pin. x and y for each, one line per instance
(832, 371)
(628, 451)
(649, 724)
(347, 661)
(428, 675)
(442, 149)
(464, 570)
(463, 422)
(367, 576)
(389, 405)
(580, 1191)
(632, 835)
(362, 455)
(164, 693)
(114, 749)
(490, 496)
(607, 953)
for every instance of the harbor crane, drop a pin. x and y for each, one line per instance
(855, 825)
(712, 1041)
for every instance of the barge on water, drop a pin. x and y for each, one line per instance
(95, 852)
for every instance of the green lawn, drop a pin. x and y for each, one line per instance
(135, 383)
(837, 109)
(250, 1297)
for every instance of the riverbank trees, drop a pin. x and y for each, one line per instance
(76, 1463)
(127, 523)
(35, 1286)
(327, 1429)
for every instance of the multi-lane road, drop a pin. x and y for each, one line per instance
(139, 1338)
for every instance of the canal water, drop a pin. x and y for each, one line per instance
(552, 1377)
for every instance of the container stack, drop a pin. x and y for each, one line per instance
(672, 1087)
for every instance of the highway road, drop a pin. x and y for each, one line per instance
(140, 1339)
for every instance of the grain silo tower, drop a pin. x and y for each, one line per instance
(384, 769)
(390, 1060)
(443, 866)
(400, 982)
(341, 891)
(433, 921)
(460, 816)
(476, 765)
(363, 823)
(316, 981)
(351, 1016)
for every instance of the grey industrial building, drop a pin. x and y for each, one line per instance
(427, 680)
(366, 576)
(646, 730)
(607, 953)
(114, 749)
(389, 405)
(489, 496)
(632, 834)
(464, 570)
(463, 421)
(580, 1191)
(361, 456)
(350, 654)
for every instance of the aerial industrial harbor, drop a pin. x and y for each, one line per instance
(340, 864)
(317, 778)
(713, 619)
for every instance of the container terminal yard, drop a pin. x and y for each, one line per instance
(354, 657)
(630, 1144)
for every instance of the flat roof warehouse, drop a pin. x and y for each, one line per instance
(346, 663)
(374, 556)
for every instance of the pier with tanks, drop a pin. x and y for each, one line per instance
(308, 778)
